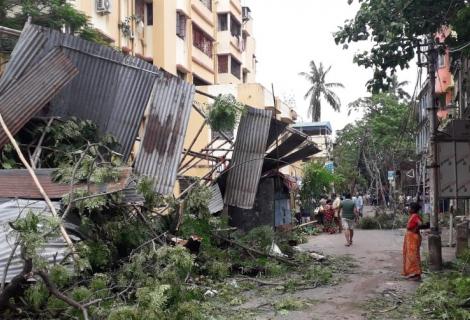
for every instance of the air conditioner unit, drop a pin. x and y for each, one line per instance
(246, 14)
(103, 6)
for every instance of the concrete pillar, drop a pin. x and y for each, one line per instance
(462, 238)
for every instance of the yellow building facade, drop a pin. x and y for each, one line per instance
(209, 43)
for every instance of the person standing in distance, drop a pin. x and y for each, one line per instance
(349, 216)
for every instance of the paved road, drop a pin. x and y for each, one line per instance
(378, 254)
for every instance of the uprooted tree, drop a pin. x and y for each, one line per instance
(382, 140)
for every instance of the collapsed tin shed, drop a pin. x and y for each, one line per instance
(114, 91)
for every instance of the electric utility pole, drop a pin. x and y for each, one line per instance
(434, 240)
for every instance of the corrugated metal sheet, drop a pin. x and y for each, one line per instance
(17, 183)
(160, 151)
(22, 99)
(112, 89)
(216, 203)
(28, 46)
(247, 160)
(9, 211)
(275, 130)
(286, 146)
(304, 151)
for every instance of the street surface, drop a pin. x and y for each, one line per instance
(378, 254)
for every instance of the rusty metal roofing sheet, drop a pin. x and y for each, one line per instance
(17, 183)
(112, 89)
(53, 250)
(24, 98)
(160, 151)
(248, 156)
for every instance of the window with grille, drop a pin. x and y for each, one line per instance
(149, 13)
(222, 22)
(235, 27)
(223, 63)
(207, 4)
(181, 25)
(235, 68)
(202, 41)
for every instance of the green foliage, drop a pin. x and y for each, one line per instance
(319, 275)
(152, 199)
(218, 269)
(31, 230)
(49, 13)
(443, 297)
(319, 89)
(37, 295)
(224, 113)
(97, 253)
(259, 237)
(383, 221)
(381, 140)
(60, 275)
(394, 27)
(197, 201)
(289, 304)
(316, 181)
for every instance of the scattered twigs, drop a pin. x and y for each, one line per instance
(59, 295)
(72, 181)
(257, 252)
(38, 185)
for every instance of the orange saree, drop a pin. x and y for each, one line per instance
(411, 246)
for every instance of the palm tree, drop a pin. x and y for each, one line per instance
(396, 88)
(320, 88)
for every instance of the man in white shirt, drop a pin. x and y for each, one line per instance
(359, 201)
(337, 208)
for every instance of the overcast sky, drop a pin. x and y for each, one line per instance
(291, 33)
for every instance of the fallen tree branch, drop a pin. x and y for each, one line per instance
(39, 186)
(264, 283)
(59, 295)
(7, 266)
(257, 252)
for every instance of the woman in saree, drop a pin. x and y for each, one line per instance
(329, 224)
(411, 246)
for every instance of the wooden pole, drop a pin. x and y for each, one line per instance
(39, 186)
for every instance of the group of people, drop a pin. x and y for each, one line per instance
(338, 214)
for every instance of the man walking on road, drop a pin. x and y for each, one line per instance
(349, 216)
(336, 208)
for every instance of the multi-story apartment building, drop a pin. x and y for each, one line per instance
(206, 42)
(203, 41)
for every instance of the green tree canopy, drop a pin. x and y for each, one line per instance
(316, 181)
(394, 27)
(53, 14)
(380, 141)
(320, 88)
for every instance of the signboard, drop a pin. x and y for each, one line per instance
(330, 166)
(454, 170)
(391, 175)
